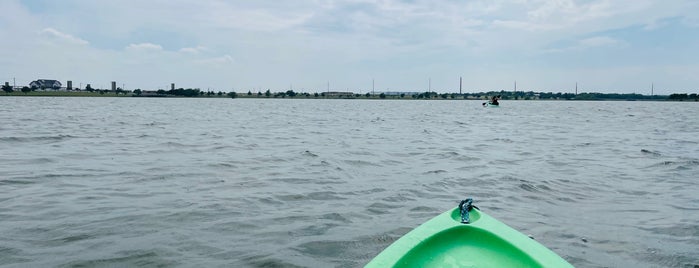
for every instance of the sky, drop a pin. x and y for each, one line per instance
(608, 46)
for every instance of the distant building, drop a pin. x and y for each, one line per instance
(45, 83)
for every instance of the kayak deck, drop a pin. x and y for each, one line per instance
(485, 242)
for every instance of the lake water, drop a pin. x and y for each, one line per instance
(330, 183)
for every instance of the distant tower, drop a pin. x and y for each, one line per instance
(113, 85)
(576, 88)
(69, 85)
(460, 81)
(172, 86)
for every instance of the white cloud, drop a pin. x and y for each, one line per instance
(193, 50)
(253, 19)
(61, 37)
(598, 41)
(144, 47)
(225, 59)
(588, 43)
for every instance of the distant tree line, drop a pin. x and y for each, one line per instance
(684, 96)
(7, 88)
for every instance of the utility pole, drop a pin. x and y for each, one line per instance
(460, 80)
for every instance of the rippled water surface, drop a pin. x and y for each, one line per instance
(330, 183)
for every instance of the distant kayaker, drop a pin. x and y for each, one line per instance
(494, 100)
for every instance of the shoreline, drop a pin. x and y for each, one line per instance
(433, 96)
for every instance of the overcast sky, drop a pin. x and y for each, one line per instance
(413, 45)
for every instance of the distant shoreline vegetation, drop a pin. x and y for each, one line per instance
(198, 93)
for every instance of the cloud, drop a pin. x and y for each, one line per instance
(225, 59)
(193, 50)
(256, 18)
(144, 47)
(597, 41)
(54, 34)
(579, 45)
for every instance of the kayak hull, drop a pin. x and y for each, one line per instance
(486, 242)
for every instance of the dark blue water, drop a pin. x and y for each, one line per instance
(330, 183)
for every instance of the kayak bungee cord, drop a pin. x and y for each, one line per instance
(465, 206)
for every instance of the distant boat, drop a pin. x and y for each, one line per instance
(493, 102)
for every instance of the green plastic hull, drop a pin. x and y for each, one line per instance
(486, 242)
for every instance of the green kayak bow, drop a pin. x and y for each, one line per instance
(468, 239)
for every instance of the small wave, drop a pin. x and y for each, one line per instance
(377, 119)
(75, 238)
(132, 259)
(684, 208)
(335, 217)
(176, 144)
(266, 261)
(381, 208)
(36, 139)
(232, 226)
(223, 165)
(678, 165)
(584, 144)
(322, 196)
(15, 182)
(654, 153)
(326, 248)
(153, 124)
(308, 153)
(314, 229)
(423, 209)
(529, 187)
(678, 230)
(438, 171)
(361, 163)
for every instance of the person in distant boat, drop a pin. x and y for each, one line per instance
(494, 100)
